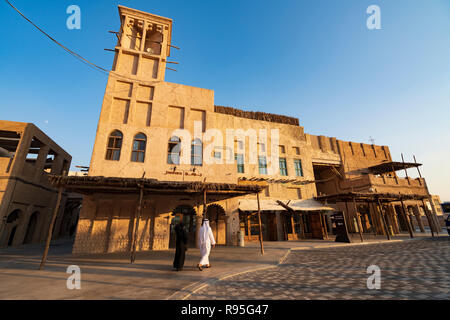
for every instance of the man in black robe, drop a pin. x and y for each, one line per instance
(181, 246)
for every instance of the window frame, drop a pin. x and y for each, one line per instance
(262, 165)
(174, 142)
(298, 169)
(197, 153)
(138, 151)
(240, 165)
(283, 170)
(116, 149)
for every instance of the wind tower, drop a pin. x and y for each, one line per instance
(143, 45)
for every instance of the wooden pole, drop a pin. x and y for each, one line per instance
(50, 230)
(434, 217)
(204, 204)
(260, 225)
(384, 220)
(358, 220)
(408, 223)
(294, 234)
(302, 225)
(346, 215)
(428, 218)
(418, 170)
(324, 224)
(373, 224)
(404, 167)
(136, 228)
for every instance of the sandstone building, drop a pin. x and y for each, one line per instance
(27, 199)
(151, 164)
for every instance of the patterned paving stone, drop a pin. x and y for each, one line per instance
(417, 270)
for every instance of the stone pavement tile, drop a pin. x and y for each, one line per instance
(409, 271)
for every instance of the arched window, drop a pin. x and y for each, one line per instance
(31, 229)
(114, 146)
(14, 216)
(12, 222)
(197, 153)
(139, 146)
(174, 152)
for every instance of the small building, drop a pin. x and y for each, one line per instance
(27, 199)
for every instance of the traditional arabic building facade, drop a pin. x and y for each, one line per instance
(164, 152)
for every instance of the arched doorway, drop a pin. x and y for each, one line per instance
(31, 229)
(11, 225)
(217, 220)
(186, 214)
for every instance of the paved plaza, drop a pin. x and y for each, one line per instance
(410, 269)
(417, 269)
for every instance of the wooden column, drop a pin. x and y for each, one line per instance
(384, 220)
(204, 204)
(374, 222)
(347, 215)
(324, 224)
(50, 229)
(434, 217)
(358, 220)
(260, 225)
(430, 223)
(408, 223)
(294, 234)
(136, 226)
(302, 225)
(416, 212)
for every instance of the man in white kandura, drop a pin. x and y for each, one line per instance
(206, 240)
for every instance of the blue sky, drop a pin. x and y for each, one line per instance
(315, 60)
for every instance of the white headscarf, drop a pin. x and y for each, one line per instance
(204, 232)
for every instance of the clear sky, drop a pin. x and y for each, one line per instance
(315, 60)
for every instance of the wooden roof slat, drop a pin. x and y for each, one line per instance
(387, 167)
(89, 184)
(369, 197)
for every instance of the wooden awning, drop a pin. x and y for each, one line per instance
(369, 197)
(391, 166)
(91, 184)
(274, 205)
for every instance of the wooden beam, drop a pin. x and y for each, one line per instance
(50, 230)
(404, 167)
(322, 215)
(418, 170)
(384, 220)
(204, 204)
(374, 225)
(260, 225)
(358, 220)
(346, 215)
(408, 223)
(136, 228)
(430, 223)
